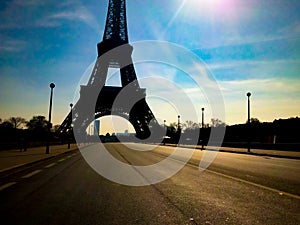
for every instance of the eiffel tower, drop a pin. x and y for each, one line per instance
(96, 99)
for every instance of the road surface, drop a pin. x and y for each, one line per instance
(234, 189)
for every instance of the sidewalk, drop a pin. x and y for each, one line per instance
(10, 159)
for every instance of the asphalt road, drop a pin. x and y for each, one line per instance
(234, 189)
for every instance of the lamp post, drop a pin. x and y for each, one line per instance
(248, 121)
(164, 137)
(178, 130)
(69, 141)
(202, 126)
(202, 109)
(178, 125)
(52, 85)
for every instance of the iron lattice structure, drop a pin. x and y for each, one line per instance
(96, 99)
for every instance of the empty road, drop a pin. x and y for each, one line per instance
(234, 189)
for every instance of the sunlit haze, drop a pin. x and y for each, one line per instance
(247, 45)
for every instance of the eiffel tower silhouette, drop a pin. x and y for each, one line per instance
(97, 99)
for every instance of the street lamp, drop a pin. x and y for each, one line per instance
(202, 125)
(178, 125)
(71, 106)
(52, 85)
(248, 95)
(178, 130)
(202, 109)
(69, 144)
(164, 137)
(248, 122)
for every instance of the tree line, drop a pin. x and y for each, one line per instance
(17, 129)
(36, 123)
(279, 131)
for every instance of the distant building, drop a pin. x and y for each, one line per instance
(96, 127)
(125, 134)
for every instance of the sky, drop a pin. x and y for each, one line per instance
(246, 45)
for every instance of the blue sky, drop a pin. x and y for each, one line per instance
(248, 45)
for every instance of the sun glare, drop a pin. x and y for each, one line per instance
(197, 8)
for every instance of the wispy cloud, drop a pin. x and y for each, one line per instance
(78, 13)
(54, 16)
(234, 38)
(28, 2)
(12, 45)
(269, 87)
(242, 63)
(271, 98)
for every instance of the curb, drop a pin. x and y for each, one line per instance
(261, 154)
(238, 152)
(17, 168)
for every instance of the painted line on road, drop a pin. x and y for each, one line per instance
(50, 165)
(32, 174)
(63, 159)
(242, 180)
(69, 156)
(254, 184)
(7, 185)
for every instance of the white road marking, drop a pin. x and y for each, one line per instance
(69, 156)
(32, 174)
(50, 165)
(63, 159)
(7, 185)
(244, 181)
(255, 184)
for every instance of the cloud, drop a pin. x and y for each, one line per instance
(80, 14)
(291, 31)
(253, 63)
(36, 13)
(73, 13)
(270, 87)
(28, 2)
(11, 45)
(271, 98)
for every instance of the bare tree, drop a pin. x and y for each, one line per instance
(217, 123)
(190, 125)
(17, 122)
(254, 121)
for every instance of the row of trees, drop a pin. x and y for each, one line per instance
(15, 130)
(37, 123)
(189, 131)
(278, 131)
